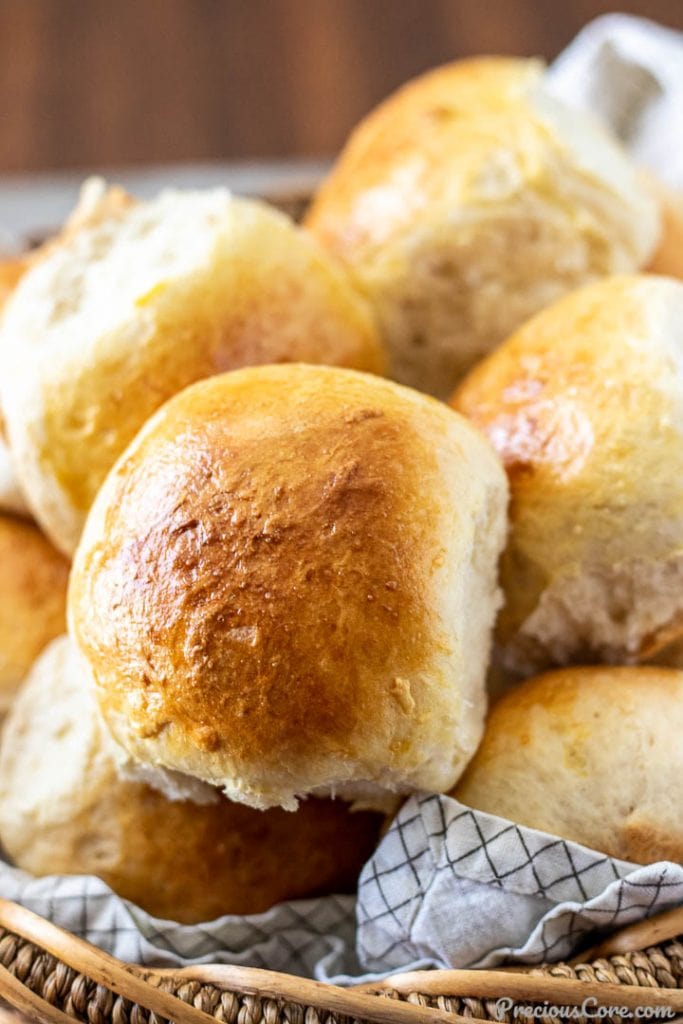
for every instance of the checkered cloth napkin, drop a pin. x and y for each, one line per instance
(447, 886)
(453, 887)
(310, 938)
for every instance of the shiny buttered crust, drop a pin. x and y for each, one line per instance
(64, 810)
(585, 407)
(590, 754)
(287, 585)
(468, 201)
(129, 307)
(33, 582)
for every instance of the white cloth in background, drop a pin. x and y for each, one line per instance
(629, 72)
(452, 887)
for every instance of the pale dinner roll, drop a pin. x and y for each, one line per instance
(135, 301)
(64, 810)
(33, 582)
(589, 754)
(469, 200)
(287, 585)
(584, 404)
(96, 202)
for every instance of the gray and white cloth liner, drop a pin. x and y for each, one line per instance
(447, 886)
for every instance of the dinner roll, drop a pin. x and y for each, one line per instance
(287, 586)
(135, 302)
(469, 200)
(589, 754)
(64, 810)
(33, 580)
(584, 404)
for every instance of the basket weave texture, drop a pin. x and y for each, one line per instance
(51, 976)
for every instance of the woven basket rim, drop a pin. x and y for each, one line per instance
(53, 976)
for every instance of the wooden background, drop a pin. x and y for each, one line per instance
(105, 82)
(85, 83)
(92, 82)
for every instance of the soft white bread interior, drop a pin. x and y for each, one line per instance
(64, 810)
(287, 585)
(470, 199)
(584, 405)
(136, 300)
(589, 754)
(33, 582)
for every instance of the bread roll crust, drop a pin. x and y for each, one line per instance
(584, 404)
(470, 199)
(11, 271)
(64, 810)
(668, 257)
(33, 582)
(589, 754)
(126, 309)
(11, 499)
(274, 588)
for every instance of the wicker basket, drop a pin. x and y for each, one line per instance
(51, 976)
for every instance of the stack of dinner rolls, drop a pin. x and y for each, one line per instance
(295, 583)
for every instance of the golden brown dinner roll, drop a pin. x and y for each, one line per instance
(33, 581)
(65, 810)
(287, 586)
(584, 404)
(134, 303)
(469, 200)
(589, 754)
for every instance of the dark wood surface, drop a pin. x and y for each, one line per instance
(92, 82)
